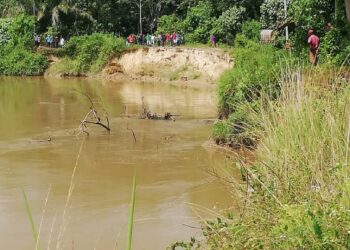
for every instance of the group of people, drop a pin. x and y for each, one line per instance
(49, 41)
(174, 39)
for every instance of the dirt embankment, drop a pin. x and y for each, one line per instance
(179, 66)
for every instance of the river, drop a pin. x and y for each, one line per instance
(38, 151)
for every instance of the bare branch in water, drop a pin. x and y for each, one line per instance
(132, 131)
(147, 114)
(92, 117)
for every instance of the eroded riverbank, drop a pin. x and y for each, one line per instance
(180, 66)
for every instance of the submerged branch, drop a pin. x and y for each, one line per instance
(92, 117)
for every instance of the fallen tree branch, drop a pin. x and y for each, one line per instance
(92, 117)
(147, 114)
(132, 131)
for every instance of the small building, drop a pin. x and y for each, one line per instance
(267, 36)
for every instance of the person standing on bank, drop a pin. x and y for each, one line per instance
(314, 45)
(213, 40)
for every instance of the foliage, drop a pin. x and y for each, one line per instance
(254, 71)
(251, 30)
(88, 54)
(198, 24)
(19, 61)
(299, 178)
(335, 42)
(240, 88)
(230, 22)
(272, 13)
(169, 24)
(4, 34)
(308, 14)
(17, 56)
(252, 7)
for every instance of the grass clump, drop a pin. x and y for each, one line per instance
(88, 54)
(297, 189)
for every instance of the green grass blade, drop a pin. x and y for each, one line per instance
(131, 214)
(30, 216)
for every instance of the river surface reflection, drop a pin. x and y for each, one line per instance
(168, 158)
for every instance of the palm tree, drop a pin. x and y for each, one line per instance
(54, 8)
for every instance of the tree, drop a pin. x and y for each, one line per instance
(272, 13)
(230, 22)
(347, 7)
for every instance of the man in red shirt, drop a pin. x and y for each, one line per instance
(168, 38)
(314, 45)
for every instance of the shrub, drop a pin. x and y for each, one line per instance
(334, 45)
(272, 13)
(230, 22)
(20, 61)
(251, 30)
(254, 71)
(239, 89)
(198, 23)
(89, 53)
(17, 52)
(169, 24)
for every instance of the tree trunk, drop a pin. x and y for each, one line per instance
(347, 7)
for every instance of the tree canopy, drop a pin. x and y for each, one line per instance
(196, 19)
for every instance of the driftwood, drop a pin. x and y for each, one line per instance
(93, 118)
(147, 114)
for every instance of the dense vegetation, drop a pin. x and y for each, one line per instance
(87, 54)
(296, 190)
(294, 193)
(17, 52)
(196, 20)
(257, 66)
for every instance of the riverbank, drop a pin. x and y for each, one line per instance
(181, 66)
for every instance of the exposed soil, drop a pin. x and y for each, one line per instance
(187, 67)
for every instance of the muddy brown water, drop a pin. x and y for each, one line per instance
(173, 186)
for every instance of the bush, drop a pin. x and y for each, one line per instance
(89, 53)
(198, 24)
(334, 45)
(169, 24)
(251, 30)
(272, 13)
(229, 23)
(20, 61)
(254, 71)
(239, 89)
(17, 52)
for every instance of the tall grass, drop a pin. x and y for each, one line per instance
(298, 187)
(239, 91)
(29, 214)
(131, 215)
